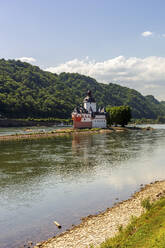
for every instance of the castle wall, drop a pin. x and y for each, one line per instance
(87, 106)
(79, 124)
(99, 122)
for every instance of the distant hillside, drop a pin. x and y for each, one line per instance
(28, 91)
(163, 103)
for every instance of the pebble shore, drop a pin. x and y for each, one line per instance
(96, 229)
(68, 131)
(59, 132)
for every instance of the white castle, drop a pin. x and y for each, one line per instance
(88, 116)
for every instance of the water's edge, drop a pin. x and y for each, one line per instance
(68, 131)
(153, 191)
(72, 175)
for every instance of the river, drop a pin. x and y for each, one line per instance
(65, 178)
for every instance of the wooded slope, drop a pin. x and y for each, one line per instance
(28, 91)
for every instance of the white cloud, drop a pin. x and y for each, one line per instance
(147, 33)
(144, 74)
(136, 175)
(27, 59)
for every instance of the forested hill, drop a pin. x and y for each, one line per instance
(28, 91)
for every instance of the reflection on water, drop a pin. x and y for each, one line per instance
(65, 178)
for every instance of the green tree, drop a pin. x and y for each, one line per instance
(120, 115)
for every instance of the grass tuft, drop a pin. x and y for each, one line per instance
(146, 231)
(146, 204)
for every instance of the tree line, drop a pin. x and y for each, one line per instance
(26, 91)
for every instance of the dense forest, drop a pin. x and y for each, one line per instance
(28, 91)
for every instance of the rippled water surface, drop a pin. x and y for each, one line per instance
(65, 178)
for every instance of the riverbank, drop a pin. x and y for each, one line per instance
(145, 231)
(31, 122)
(55, 133)
(96, 229)
(67, 131)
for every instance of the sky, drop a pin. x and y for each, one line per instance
(118, 41)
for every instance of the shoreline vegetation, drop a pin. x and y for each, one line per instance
(68, 131)
(121, 219)
(30, 122)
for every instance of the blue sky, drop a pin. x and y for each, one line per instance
(80, 35)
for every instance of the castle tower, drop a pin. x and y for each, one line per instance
(89, 102)
(87, 116)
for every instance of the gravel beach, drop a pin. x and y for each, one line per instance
(96, 229)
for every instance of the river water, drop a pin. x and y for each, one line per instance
(65, 178)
